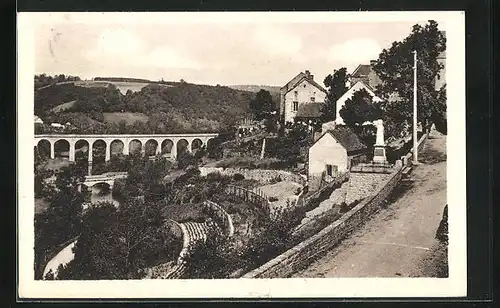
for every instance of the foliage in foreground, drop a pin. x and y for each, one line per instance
(62, 219)
(120, 244)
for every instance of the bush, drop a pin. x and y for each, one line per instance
(238, 177)
(273, 199)
(275, 180)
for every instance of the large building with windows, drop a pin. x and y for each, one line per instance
(299, 91)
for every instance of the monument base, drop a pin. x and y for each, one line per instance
(379, 156)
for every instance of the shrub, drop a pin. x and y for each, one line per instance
(343, 208)
(238, 177)
(275, 179)
(273, 199)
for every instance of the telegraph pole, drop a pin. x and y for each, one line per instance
(415, 148)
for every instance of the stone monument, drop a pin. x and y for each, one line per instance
(379, 147)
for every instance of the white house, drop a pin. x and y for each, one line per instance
(302, 89)
(334, 152)
(349, 93)
(38, 120)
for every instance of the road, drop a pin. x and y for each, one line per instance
(400, 239)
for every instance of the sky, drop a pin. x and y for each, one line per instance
(211, 53)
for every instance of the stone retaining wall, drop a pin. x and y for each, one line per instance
(307, 251)
(420, 145)
(261, 175)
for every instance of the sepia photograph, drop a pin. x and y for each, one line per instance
(249, 154)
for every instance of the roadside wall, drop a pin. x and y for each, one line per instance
(420, 144)
(307, 251)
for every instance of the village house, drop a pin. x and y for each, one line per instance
(309, 114)
(359, 85)
(334, 152)
(366, 74)
(299, 91)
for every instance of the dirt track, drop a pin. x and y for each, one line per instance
(399, 239)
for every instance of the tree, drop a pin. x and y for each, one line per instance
(62, 219)
(290, 147)
(439, 111)
(359, 109)
(336, 85)
(262, 105)
(395, 69)
(42, 188)
(119, 244)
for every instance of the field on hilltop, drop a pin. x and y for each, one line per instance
(100, 106)
(273, 90)
(128, 117)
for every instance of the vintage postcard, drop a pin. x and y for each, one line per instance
(241, 155)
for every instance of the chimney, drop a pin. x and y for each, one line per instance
(308, 75)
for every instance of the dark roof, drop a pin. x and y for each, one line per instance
(347, 138)
(310, 110)
(296, 80)
(361, 70)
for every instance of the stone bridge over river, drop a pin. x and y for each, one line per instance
(170, 145)
(108, 178)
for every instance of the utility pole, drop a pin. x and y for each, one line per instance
(415, 148)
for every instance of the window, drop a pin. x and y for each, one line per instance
(295, 106)
(331, 170)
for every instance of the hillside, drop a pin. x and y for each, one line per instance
(159, 108)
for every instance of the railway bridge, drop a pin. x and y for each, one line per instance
(169, 145)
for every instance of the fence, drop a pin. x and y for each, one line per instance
(255, 196)
(222, 218)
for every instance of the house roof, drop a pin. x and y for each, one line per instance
(298, 79)
(353, 89)
(361, 70)
(346, 137)
(310, 110)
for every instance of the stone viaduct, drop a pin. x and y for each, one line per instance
(168, 145)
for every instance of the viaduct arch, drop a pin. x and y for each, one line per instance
(162, 144)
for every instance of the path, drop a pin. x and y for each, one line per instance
(398, 239)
